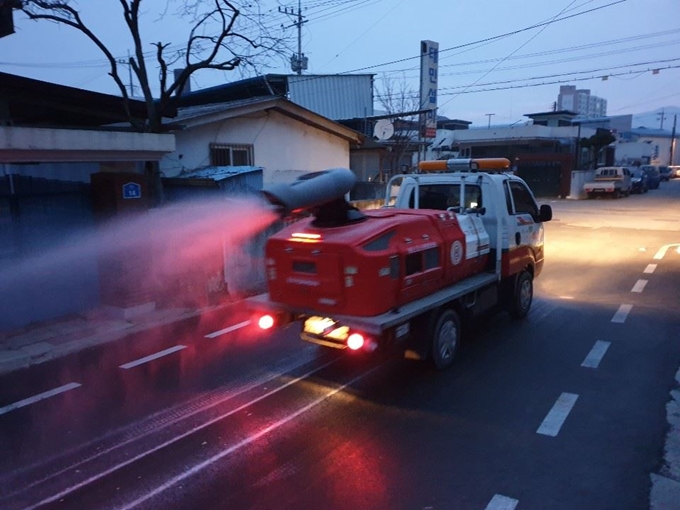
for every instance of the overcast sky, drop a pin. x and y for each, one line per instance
(624, 41)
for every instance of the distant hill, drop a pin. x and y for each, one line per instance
(652, 120)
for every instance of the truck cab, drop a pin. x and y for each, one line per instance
(501, 202)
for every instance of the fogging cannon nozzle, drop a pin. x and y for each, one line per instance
(322, 193)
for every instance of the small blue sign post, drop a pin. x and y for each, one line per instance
(132, 190)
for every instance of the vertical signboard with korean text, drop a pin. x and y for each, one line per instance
(429, 69)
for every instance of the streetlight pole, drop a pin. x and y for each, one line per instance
(489, 115)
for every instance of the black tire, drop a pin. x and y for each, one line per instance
(617, 194)
(590, 195)
(445, 338)
(522, 296)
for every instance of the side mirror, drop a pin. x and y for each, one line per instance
(545, 213)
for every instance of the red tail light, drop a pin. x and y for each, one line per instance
(266, 322)
(355, 341)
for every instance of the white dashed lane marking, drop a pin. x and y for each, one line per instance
(650, 269)
(152, 357)
(499, 502)
(622, 313)
(558, 414)
(224, 331)
(596, 354)
(639, 286)
(39, 397)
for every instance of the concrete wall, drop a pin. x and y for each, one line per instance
(284, 147)
(578, 179)
(20, 144)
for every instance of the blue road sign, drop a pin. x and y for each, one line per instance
(132, 190)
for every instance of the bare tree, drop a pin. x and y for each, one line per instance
(397, 98)
(222, 36)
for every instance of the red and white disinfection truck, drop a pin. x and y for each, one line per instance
(458, 239)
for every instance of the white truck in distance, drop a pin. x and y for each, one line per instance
(393, 252)
(614, 181)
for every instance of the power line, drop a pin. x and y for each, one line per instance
(512, 53)
(496, 37)
(555, 51)
(599, 76)
(528, 85)
(664, 61)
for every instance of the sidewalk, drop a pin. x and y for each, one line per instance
(48, 340)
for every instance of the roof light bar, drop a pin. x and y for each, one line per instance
(465, 165)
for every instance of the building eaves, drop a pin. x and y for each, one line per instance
(551, 114)
(32, 102)
(655, 133)
(204, 114)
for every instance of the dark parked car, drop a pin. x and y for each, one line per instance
(653, 175)
(638, 181)
(666, 173)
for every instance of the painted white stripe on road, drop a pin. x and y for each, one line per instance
(152, 357)
(175, 439)
(39, 397)
(224, 331)
(499, 502)
(650, 269)
(558, 414)
(639, 286)
(596, 354)
(622, 313)
(244, 442)
(662, 251)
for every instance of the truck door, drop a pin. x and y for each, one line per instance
(525, 233)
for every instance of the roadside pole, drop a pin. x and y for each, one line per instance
(675, 121)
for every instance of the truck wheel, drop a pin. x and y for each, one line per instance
(590, 195)
(445, 339)
(523, 295)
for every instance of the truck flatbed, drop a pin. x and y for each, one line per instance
(377, 324)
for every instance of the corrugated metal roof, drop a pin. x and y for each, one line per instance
(192, 112)
(342, 96)
(219, 173)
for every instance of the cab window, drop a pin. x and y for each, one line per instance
(443, 196)
(523, 200)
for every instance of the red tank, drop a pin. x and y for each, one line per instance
(366, 268)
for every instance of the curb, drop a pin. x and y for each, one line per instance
(41, 352)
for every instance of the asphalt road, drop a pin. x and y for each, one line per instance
(563, 410)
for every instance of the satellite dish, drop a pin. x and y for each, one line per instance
(383, 129)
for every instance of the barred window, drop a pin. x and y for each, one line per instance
(231, 155)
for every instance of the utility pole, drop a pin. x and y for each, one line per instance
(663, 111)
(129, 65)
(298, 62)
(675, 121)
(132, 87)
(489, 115)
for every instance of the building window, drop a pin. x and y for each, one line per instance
(231, 155)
